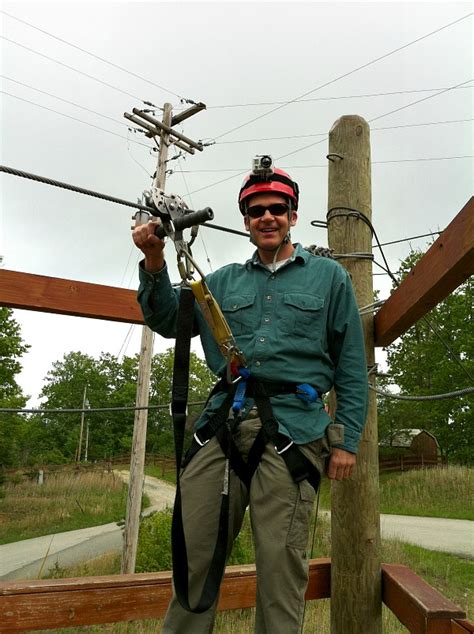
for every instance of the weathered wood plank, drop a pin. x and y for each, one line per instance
(448, 262)
(461, 626)
(418, 606)
(68, 297)
(49, 604)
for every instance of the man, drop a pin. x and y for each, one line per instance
(295, 318)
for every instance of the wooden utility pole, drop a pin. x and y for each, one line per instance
(137, 460)
(356, 599)
(81, 432)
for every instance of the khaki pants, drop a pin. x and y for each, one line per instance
(280, 513)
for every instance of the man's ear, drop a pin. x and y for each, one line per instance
(246, 223)
(293, 218)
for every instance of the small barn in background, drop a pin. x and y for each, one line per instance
(413, 442)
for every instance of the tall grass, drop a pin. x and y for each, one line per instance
(438, 492)
(66, 501)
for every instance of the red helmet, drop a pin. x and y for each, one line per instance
(279, 182)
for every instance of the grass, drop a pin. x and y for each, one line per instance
(449, 574)
(66, 501)
(439, 492)
(169, 475)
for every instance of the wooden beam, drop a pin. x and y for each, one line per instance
(461, 626)
(447, 263)
(68, 297)
(417, 605)
(54, 603)
(50, 604)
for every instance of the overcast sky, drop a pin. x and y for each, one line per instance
(227, 55)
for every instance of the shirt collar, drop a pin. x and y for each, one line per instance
(299, 255)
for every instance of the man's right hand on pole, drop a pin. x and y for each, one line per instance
(150, 245)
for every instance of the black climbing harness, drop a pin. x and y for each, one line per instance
(237, 385)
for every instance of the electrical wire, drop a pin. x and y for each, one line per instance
(120, 136)
(413, 103)
(76, 70)
(423, 235)
(83, 50)
(192, 206)
(223, 180)
(351, 72)
(306, 136)
(377, 94)
(71, 103)
(296, 167)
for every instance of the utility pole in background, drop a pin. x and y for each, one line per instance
(356, 597)
(81, 432)
(167, 136)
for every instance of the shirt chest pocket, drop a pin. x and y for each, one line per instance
(301, 314)
(239, 312)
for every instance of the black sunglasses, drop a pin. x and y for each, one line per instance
(275, 209)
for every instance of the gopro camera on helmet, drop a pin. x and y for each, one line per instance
(262, 166)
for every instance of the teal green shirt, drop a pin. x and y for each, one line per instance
(299, 324)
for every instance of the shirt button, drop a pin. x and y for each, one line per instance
(257, 363)
(234, 306)
(262, 339)
(268, 297)
(267, 320)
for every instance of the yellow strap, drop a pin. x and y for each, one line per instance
(216, 321)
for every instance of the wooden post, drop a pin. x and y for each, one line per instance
(81, 432)
(356, 596)
(137, 460)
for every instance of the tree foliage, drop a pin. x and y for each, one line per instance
(109, 383)
(435, 356)
(12, 348)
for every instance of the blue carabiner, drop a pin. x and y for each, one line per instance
(239, 396)
(306, 392)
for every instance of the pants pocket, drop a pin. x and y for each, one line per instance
(299, 525)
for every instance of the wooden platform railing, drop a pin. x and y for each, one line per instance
(50, 604)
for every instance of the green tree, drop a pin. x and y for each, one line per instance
(110, 383)
(435, 356)
(12, 348)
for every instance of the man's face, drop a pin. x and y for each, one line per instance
(269, 230)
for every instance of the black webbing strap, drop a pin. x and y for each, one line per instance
(299, 466)
(178, 411)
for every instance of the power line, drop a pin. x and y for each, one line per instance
(76, 70)
(71, 103)
(120, 136)
(305, 147)
(295, 167)
(418, 101)
(377, 94)
(408, 105)
(306, 136)
(423, 235)
(106, 61)
(332, 81)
